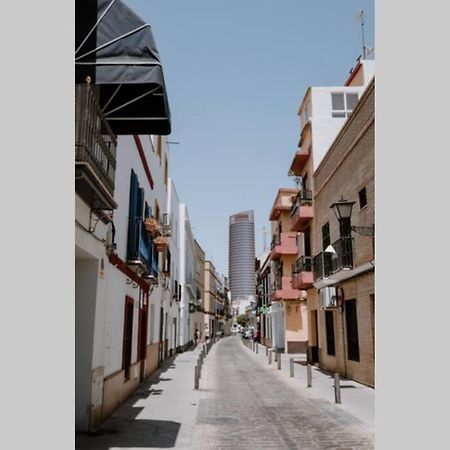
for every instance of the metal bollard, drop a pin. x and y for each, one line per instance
(337, 388)
(275, 358)
(256, 347)
(270, 357)
(267, 351)
(279, 361)
(291, 367)
(309, 374)
(196, 378)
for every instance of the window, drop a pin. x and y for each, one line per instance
(343, 104)
(329, 324)
(352, 330)
(362, 198)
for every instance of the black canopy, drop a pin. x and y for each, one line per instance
(116, 49)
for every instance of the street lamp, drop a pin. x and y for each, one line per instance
(343, 211)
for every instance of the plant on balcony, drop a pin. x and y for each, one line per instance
(152, 226)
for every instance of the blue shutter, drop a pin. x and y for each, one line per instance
(133, 226)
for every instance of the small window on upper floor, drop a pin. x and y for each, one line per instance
(362, 198)
(343, 104)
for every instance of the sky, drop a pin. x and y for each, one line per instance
(236, 72)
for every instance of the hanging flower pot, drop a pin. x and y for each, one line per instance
(152, 226)
(161, 243)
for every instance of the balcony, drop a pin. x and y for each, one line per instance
(302, 273)
(282, 289)
(142, 254)
(284, 244)
(95, 151)
(326, 264)
(301, 211)
(282, 203)
(300, 159)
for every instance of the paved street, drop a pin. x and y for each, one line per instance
(246, 406)
(241, 404)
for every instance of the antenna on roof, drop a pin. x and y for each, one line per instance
(360, 18)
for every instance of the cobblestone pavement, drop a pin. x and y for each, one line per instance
(243, 406)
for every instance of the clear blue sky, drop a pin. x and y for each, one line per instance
(236, 72)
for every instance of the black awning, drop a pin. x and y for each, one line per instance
(116, 49)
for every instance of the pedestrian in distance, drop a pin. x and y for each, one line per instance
(196, 336)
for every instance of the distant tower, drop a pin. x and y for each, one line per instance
(241, 259)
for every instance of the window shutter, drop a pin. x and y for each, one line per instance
(133, 229)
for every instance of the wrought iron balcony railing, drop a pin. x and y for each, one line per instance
(303, 264)
(327, 263)
(95, 143)
(141, 249)
(344, 252)
(303, 198)
(275, 241)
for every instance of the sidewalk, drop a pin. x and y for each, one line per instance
(161, 413)
(356, 399)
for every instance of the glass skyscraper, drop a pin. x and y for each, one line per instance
(241, 258)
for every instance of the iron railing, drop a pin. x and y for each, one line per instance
(275, 241)
(326, 263)
(303, 264)
(95, 143)
(304, 197)
(344, 252)
(141, 247)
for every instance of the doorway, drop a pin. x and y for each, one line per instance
(127, 336)
(142, 334)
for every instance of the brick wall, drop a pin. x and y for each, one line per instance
(348, 167)
(362, 289)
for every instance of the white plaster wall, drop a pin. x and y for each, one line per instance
(173, 207)
(85, 298)
(184, 306)
(117, 288)
(325, 127)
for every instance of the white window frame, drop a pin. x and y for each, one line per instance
(346, 112)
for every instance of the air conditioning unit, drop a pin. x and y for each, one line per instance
(328, 298)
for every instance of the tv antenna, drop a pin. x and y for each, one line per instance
(360, 18)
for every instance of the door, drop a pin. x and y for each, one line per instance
(175, 335)
(142, 336)
(127, 336)
(161, 329)
(307, 241)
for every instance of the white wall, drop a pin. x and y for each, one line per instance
(325, 128)
(173, 206)
(128, 158)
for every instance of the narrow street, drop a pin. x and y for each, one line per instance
(240, 405)
(248, 407)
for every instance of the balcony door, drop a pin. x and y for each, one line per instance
(327, 257)
(307, 241)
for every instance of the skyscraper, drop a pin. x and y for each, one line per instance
(241, 259)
